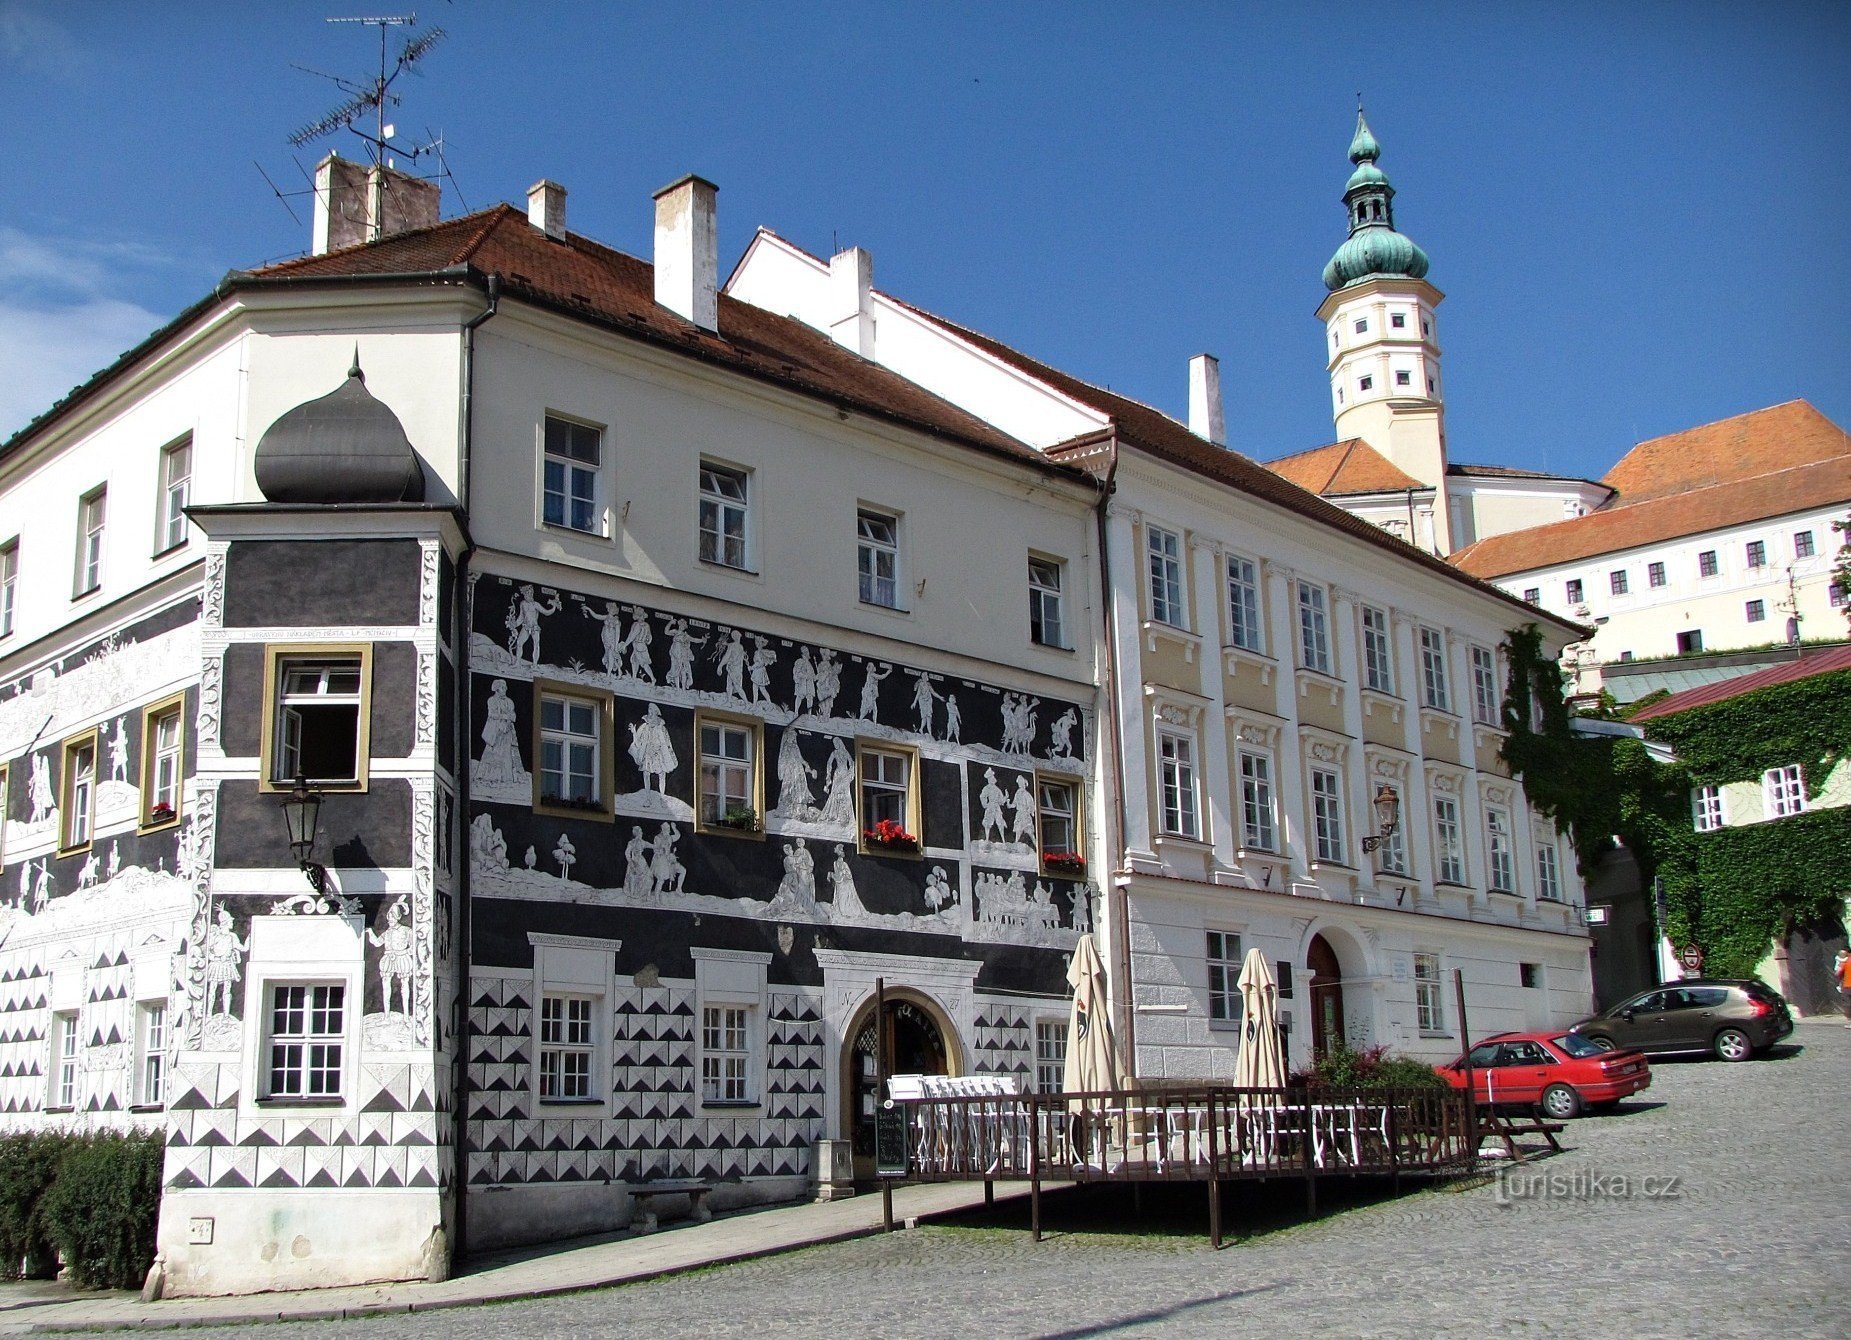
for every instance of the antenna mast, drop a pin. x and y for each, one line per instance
(374, 95)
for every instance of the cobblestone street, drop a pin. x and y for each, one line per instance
(1751, 1241)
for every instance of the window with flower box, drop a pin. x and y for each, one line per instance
(162, 763)
(1058, 818)
(570, 730)
(728, 783)
(889, 799)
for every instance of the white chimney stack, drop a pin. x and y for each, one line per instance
(356, 204)
(688, 251)
(1206, 418)
(851, 309)
(546, 207)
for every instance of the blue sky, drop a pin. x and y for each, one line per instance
(1636, 210)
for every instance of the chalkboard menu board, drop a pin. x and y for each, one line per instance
(889, 1140)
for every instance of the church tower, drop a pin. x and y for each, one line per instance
(1383, 339)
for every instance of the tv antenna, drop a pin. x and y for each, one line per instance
(374, 96)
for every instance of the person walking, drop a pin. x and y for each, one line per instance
(1841, 978)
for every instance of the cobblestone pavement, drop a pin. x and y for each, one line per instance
(1754, 1240)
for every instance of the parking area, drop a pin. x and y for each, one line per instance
(1718, 1203)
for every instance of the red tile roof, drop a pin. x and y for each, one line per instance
(1822, 662)
(1758, 443)
(1349, 466)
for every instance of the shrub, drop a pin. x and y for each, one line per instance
(102, 1209)
(1344, 1067)
(28, 1163)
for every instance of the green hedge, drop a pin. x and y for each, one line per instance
(92, 1198)
(1344, 1067)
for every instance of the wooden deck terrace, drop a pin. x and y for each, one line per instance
(1210, 1134)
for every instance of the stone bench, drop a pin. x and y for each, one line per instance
(646, 1193)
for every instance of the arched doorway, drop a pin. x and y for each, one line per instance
(1326, 996)
(917, 1044)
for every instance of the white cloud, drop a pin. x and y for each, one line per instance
(47, 350)
(33, 43)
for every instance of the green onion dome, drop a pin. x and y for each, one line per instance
(1373, 249)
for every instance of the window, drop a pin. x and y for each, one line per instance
(64, 1052)
(1365, 383)
(1313, 629)
(1616, 581)
(162, 766)
(1706, 811)
(567, 1045)
(1433, 690)
(1654, 574)
(1165, 550)
(1327, 815)
(1057, 803)
(91, 512)
(78, 804)
(725, 1055)
(1835, 594)
(569, 476)
(1429, 997)
(1689, 641)
(1176, 760)
(1802, 544)
(1784, 790)
(1398, 320)
(1575, 591)
(306, 1045)
(571, 749)
(1502, 860)
(1426, 326)
(1045, 626)
(1224, 977)
(150, 1055)
(1706, 563)
(1362, 326)
(1404, 379)
(877, 557)
(318, 725)
(1378, 657)
(1532, 595)
(1050, 1055)
(1756, 610)
(728, 780)
(9, 584)
(1529, 976)
(1484, 686)
(1392, 856)
(1548, 873)
(1257, 824)
(887, 792)
(176, 482)
(1246, 618)
(1757, 553)
(723, 516)
(1449, 844)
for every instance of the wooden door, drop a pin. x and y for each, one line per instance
(1326, 996)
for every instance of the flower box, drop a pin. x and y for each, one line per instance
(890, 836)
(161, 814)
(561, 803)
(742, 820)
(1064, 862)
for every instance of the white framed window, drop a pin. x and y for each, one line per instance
(176, 484)
(318, 725)
(1449, 840)
(569, 471)
(725, 1055)
(1706, 808)
(1784, 791)
(1057, 801)
(725, 509)
(570, 749)
(1176, 765)
(92, 514)
(1378, 653)
(1313, 628)
(1429, 995)
(78, 803)
(727, 781)
(1164, 550)
(1433, 687)
(887, 793)
(1258, 806)
(1224, 977)
(1246, 616)
(1327, 815)
(162, 762)
(150, 1081)
(568, 1047)
(730, 1062)
(305, 1040)
(1046, 626)
(9, 584)
(1050, 1055)
(877, 557)
(65, 1050)
(1548, 873)
(1485, 686)
(1498, 850)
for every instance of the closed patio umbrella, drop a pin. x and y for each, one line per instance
(1260, 1064)
(1092, 1060)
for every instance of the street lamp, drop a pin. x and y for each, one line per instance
(302, 817)
(1388, 810)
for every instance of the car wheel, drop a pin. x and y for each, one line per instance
(1560, 1103)
(1601, 1042)
(1732, 1044)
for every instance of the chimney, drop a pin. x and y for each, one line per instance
(355, 204)
(1205, 414)
(851, 310)
(688, 251)
(546, 207)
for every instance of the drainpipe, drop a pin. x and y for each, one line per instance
(1117, 903)
(462, 614)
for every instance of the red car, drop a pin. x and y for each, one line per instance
(1559, 1072)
